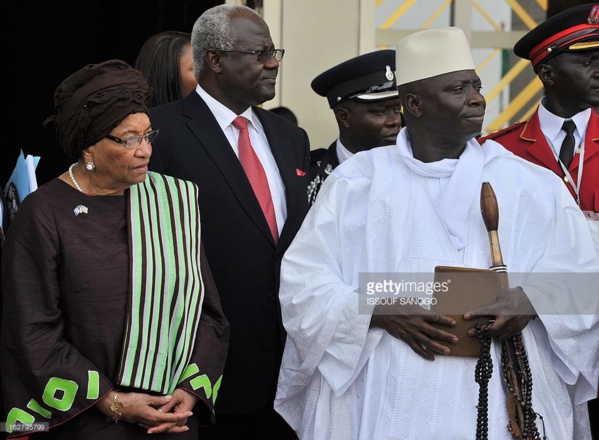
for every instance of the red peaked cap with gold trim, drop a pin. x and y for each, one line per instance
(574, 29)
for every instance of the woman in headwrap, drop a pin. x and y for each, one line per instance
(112, 326)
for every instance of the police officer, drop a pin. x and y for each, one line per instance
(363, 95)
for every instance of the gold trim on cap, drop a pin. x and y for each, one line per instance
(584, 45)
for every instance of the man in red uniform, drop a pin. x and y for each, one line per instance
(564, 52)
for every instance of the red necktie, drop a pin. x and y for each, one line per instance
(256, 175)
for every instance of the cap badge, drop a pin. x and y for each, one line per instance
(389, 73)
(593, 17)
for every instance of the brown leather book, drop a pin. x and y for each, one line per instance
(462, 290)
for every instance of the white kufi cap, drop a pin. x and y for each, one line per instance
(432, 52)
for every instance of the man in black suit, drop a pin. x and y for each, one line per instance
(236, 66)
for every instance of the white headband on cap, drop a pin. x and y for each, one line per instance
(432, 52)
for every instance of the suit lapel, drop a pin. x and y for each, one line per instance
(539, 148)
(205, 128)
(279, 145)
(591, 140)
(329, 162)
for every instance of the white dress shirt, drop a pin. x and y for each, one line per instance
(342, 153)
(551, 126)
(224, 116)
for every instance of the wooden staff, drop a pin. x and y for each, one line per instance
(490, 214)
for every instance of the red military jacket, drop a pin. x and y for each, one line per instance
(525, 139)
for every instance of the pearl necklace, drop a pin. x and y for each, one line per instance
(73, 178)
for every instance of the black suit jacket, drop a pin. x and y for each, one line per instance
(322, 163)
(244, 259)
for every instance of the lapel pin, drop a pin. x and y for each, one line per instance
(80, 209)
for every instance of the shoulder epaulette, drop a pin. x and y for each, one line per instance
(501, 132)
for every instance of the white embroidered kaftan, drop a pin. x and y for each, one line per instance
(342, 380)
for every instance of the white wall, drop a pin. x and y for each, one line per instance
(316, 35)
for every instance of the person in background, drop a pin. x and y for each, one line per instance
(363, 95)
(286, 113)
(354, 368)
(102, 322)
(563, 133)
(165, 60)
(250, 165)
(564, 52)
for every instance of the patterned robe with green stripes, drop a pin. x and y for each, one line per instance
(175, 335)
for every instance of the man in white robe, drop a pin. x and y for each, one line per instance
(349, 372)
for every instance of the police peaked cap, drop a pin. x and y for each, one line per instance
(573, 29)
(365, 78)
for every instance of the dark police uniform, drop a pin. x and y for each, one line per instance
(365, 78)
